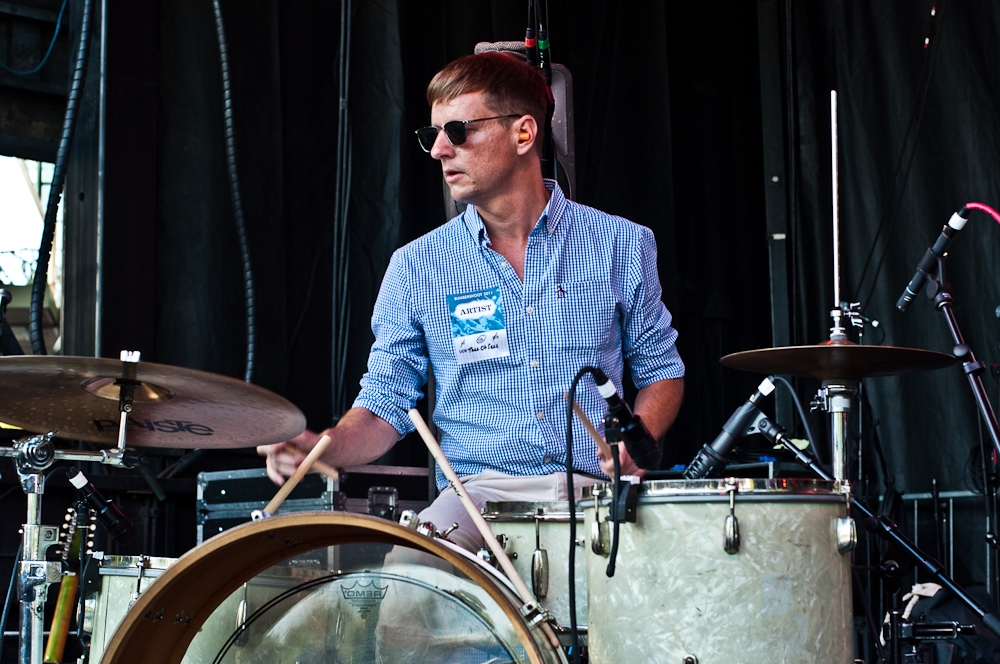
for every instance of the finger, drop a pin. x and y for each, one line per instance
(272, 471)
(266, 450)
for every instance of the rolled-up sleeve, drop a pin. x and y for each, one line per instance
(649, 340)
(397, 364)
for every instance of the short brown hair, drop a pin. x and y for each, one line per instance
(508, 84)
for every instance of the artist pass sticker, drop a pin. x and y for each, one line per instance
(477, 327)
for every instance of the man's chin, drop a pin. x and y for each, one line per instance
(460, 194)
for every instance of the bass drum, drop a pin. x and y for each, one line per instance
(778, 592)
(390, 595)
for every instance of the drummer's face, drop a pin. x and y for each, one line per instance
(478, 169)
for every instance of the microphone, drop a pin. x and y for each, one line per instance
(119, 526)
(641, 446)
(927, 264)
(711, 458)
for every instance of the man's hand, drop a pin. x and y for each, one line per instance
(359, 438)
(628, 466)
(284, 458)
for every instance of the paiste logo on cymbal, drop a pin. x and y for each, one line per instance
(160, 426)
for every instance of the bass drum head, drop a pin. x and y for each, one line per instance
(379, 593)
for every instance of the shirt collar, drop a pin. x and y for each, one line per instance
(553, 213)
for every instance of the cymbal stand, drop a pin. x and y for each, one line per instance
(834, 398)
(32, 456)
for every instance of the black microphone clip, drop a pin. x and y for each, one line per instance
(711, 458)
(928, 264)
(119, 526)
(640, 444)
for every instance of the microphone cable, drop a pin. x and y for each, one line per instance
(40, 281)
(234, 191)
(570, 400)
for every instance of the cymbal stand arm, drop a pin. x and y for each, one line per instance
(972, 367)
(889, 531)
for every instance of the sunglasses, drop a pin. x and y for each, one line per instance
(454, 130)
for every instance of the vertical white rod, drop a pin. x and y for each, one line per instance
(836, 201)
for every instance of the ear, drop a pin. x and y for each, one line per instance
(527, 132)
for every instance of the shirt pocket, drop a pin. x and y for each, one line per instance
(588, 316)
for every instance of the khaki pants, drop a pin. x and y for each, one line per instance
(491, 486)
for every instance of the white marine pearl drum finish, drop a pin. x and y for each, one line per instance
(515, 524)
(677, 596)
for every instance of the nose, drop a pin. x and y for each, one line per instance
(442, 146)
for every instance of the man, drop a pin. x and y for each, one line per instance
(506, 302)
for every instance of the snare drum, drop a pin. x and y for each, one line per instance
(442, 605)
(783, 593)
(536, 537)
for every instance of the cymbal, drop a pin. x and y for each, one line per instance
(172, 407)
(842, 360)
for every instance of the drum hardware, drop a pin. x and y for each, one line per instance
(242, 613)
(539, 563)
(383, 501)
(141, 564)
(690, 659)
(731, 532)
(600, 535)
(409, 519)
(847, 534)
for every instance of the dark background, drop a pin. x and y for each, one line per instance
(684, 112)
(669, 132)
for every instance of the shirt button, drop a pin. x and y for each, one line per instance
(529, 310)
(547, 459)
(534, 364)
(540, 415)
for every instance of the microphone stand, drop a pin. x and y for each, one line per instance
(973, 369)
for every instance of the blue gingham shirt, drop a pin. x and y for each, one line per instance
(590, 296)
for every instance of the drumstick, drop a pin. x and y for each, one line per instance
(297, 476)
(477, 518)
(328, 471)
(591, 429)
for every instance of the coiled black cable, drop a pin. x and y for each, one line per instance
(40, 282)
(234, 190)
(570, 397)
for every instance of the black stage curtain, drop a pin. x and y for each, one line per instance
(667, 109)
(668, 129)
(918, 139)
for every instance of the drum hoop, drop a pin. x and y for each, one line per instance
(505, 511)
(160, 626)
(807, 490)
